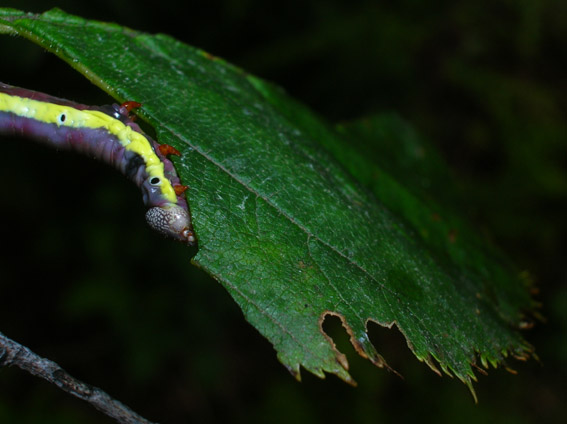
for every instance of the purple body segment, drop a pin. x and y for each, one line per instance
(94, 142)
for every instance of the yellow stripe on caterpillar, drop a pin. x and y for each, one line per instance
(68, 116)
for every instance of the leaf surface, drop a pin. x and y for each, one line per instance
(298, 219)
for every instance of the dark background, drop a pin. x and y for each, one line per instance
(84, 282)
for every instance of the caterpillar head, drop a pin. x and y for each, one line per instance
(172, 221)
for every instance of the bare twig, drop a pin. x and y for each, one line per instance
(13, 353)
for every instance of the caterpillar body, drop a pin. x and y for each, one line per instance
(107, 133)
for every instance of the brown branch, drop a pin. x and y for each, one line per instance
(13, 353)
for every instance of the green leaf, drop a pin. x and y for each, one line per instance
(299, 220)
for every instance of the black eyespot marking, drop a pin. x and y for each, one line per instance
(133, 163)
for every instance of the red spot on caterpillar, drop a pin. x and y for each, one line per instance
(130, 105)
(179, 189)
(166, 149)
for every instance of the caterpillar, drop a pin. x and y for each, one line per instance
(110, 134)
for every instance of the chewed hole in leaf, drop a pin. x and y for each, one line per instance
(332, 328)
(392, 344)
(388, 340)
(345, 343)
